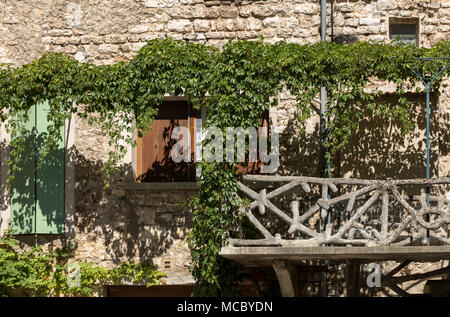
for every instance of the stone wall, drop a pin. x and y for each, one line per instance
(121, 223)
(103, 31)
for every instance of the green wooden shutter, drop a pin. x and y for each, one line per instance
(37, 198)
(49, 181)
(23, 194)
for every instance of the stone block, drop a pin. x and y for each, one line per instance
(59, 40)
(165, 217)
(214, 35)
(369, 21)
(262, 12)
(138, 29)
(272, 22)
(307, 8)
(444, 13)
(387, 4)
(180, 26)
(201, 25)
(353, 22)
(245, 12)
(146, 216)
(254, 24)
(115, 39)
(151, 3)
(228, 12)
(344, 7)
(247, 35)
(57, 32)
(429, 29)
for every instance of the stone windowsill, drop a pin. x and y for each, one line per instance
(160, 186)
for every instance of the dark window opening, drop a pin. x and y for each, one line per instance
(404, 30)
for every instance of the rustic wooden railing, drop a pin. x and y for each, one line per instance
(340, 211)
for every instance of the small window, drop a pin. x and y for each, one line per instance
(404, 30)
(154, 159)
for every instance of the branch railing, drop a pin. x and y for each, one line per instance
(340, 211)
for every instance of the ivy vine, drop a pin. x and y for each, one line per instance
(38, 273)
(237, 84)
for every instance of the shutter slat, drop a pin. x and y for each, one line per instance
(23, 210)
(49, 180)
(156, 163)
(37, 194)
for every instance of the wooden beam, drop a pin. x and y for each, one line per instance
(399, 291)
(353, 274)
(418, 276)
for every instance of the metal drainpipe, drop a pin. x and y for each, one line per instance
(323, 127)
(323, 91)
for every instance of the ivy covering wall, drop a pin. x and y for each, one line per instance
(236, 83)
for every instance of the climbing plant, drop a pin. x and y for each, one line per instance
(237, 84)
(35, 272)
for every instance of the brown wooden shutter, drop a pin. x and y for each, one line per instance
(154, 162)
(255, 167)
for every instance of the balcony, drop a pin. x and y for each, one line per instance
(338, 218)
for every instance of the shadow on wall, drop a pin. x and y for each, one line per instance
(157, 162)
(37, 195)
(299, 153)
(4, 195)
(377, 150)
(23, 219)
(114, 225)
(444, 138)
(137, 224)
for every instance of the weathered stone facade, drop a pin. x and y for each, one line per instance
(103, 31)
(123, 223)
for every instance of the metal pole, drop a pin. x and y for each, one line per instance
(427, 81)
(323, 90)
(323, 100)
(323, 95)
(323, 122)
(323, 20)
(427, 87)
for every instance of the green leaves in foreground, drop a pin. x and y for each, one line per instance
(38, 273)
